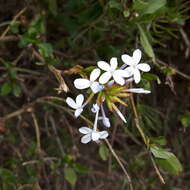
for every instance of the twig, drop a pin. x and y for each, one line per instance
(177, 71)
(56, 135)
(13, 21)
(145, 139)
(120, 163)
(46, 100)
(37, 129)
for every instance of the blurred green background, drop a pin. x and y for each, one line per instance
(39, 138)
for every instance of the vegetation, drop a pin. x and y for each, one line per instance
(44, 46)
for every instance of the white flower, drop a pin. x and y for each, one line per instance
(138, 90)
(134, 65)
(105, 121)
(77, 105)
(95, 108)
(111, 71)
(82, 83)
(91, 134)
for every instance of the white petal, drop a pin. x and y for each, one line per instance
(79, 100)
(95, 108)
(94, 74)
(121, 116)
(118, 79)
(71, 103)
(96, 87)
(95, 135)
(143, 67)
(137, 56)
(82, 83)
(127, 59)
(138, 90)
(86, 138)
(85, 130)
(78, 112)
(105, 77)
(110, 83)
(137, 75)
(104, 66)
(129, 70)
(106, 122)
(103, 134)
(122, 73)
(113, 63)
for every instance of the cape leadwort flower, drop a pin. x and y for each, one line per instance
(82, 83)
(112, 86)
(112, 71)
(93, 134)
(134, 65)
(77, 105)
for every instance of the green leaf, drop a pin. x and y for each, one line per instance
(6, 88)
(185, 119)
(53, 6)
(159, 140)
(148, 7)
(159, 152)
(114, 4)
(70, 175)
(166, 160)
(7, 176)
(172, 165)
(103, 152)
(145, 43)
(17, 90)
(45, 49)
(15, 27)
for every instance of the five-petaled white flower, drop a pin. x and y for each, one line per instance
(77, 105)
(82, 83)
(138, 90)
(134, 65)
(111, 71)
(92, 134)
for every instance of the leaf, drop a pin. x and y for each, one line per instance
(145, 43)
(6, 88)
(53, 7)
(115, 5)
(45, 50)
(159, 152)
(185, 119)
(17, 90)
(7, 176)
(167, 160)
(172, 165)
(103, 152)
(150, 77)
(70, 176)
(148, 7)
(159, 140)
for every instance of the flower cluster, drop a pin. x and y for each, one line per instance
(109, 83)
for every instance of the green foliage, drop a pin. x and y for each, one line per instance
(166, 160)
(70, 175)
(103, 152)
(185, 119)
(81, 32)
